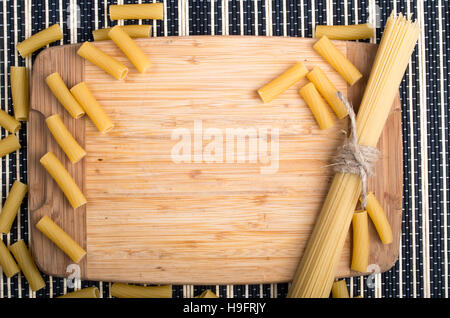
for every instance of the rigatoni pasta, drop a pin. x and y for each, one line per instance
(60, 238)
(339, 289)
(106, 62)
(337, 60)
(207, 294)
(153, 11)
(64, 138)
(19, 92)
(27, 265)
(12, 205)
(40, 39)
(64, 180)
(89, 292)
(92, 108)
(327, 90)
(7, 262)
(277, 86)
(133, 30)
(8, 145)
(361, 242)
(134, 53)
(345, 32)
(317, 105)
(120, 290)
(8, 122)
(379, 219)
(62, 93)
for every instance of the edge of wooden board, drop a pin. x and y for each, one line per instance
(49, 258)
(391, 202)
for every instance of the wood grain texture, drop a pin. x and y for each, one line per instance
(151, 220)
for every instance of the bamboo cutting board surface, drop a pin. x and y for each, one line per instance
(151, 219)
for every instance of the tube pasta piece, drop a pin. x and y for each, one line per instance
(317, 105)
(40, 39)
(19, 92)
(327, 90)
(92, 108)
(27, 265)
(207, 294)
(153, 11)
(8, 145)
(60, 238)
(65, 139)
(277, 86)
(12, 205)
(361, 242)
(345, 32)
(7, 262)
(64, 180)
(106, 62)
(62, 93)
(337, 60)
(134, 53)
(132, 291)
(133, 30)
(339, 289)
(8, 122)
(379, 219)
(89, 292)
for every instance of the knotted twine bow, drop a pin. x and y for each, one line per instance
(353, 157)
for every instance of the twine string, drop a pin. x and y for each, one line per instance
(352, 157)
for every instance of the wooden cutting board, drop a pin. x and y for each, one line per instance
(212, 219)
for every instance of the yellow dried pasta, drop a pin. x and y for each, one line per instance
(280, 84)
(19, 92)
(361, 242)
(337, 60)
(345, 32)
(64, 138)
(133, 30)
(64, 180)
(27, 265)
(61, 239)
(62, 93)
(106, 62)
(328, 91)
(12, 205)
(134, 53)
(317, 105)
(40, 39)
(153, 11)
(132, 291)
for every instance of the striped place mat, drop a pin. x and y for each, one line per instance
(423, 267)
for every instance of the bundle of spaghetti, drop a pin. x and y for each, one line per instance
(317, 269)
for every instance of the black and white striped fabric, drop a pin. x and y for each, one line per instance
(423, 266)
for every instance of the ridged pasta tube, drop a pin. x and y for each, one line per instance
(280, 84)
(40, 39)
(27, 265)
(12, 205)
(133, 30)
(64, 180)
(337, 60)
(153, 11)
(132, 291)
